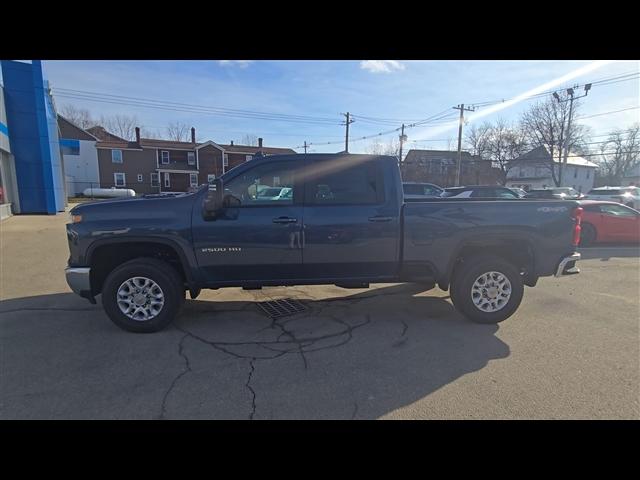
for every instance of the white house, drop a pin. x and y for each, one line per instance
(533, 170)
(79, 157)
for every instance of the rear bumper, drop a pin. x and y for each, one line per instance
(567, 265)
(78, 279)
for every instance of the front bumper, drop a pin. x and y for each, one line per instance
(78, 279)
(567, 265)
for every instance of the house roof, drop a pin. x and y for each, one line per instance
(252, 150)
(416, 155)
(68, 129)
(542, 154)
(159, 143)
(101, 134)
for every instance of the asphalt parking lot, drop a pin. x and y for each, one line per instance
(572, 351)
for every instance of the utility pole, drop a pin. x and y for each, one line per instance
(305, 146)
(403, 138)
(462, 110)
(570, 92)
(346, 137)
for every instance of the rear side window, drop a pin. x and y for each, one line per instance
(335, 182)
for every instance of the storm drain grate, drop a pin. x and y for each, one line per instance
(282, 307)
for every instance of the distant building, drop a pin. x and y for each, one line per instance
(79, 156)
(440, 167)
(533, 170)
(149, 165)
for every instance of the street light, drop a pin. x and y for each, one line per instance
(556, 96)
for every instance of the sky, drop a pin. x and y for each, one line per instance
(397, 91)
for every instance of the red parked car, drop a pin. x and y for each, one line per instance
(604, 222)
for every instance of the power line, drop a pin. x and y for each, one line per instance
(609, 113)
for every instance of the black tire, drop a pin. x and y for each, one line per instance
(163, 274)
(588, 234)
(466, 275)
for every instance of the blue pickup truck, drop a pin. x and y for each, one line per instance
(313, 219)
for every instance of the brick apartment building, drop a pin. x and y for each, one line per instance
(439, 167)
(149, 165)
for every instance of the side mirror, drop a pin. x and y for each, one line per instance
(213, 200)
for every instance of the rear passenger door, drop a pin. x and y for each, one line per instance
(351, 225)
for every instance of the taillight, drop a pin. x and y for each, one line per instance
(576, 214)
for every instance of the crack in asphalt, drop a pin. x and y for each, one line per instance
(163, 408)
(253, 393)
(355, 410)
(293, 344)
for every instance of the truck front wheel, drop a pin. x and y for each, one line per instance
(487, 289)
(143, 295)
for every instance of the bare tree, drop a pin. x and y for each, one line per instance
(249, 139)
(545, 124)
(477, 137)
(619, 154)
(178, 132)
(504, 144)
(124, 126)
(392, 148)
(78, 116)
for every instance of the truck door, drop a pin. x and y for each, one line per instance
(351, 225)
(260, 239)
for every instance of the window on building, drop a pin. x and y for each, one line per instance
(210, 178)
(588, 172)
(116, 156)
(248, 157)
(193, 179)
(119, 179)
(225, 160)
(164, 155)
(191, 158)
(167, 180)
(139, 178)
(155, 179)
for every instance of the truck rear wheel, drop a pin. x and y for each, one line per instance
(143, 295)
(487, 289)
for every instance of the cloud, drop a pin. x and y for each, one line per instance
(381, 66)
(239, 63)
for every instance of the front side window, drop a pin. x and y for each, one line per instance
(267, 184)
(191, 158)
(116, 156)
(119, 179)
(339, 182)
(164, 155)
(193, 179)
(617, 211)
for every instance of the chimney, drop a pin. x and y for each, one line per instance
(138, 135)
(232, 143)
(260, 142)
(193, 135)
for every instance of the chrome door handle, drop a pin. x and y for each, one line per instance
(285, 220)
(380, 219)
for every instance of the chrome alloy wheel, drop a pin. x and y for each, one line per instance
(140, 298)
(491, 291)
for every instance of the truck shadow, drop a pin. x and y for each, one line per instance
(604, 251)
(357, 356)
